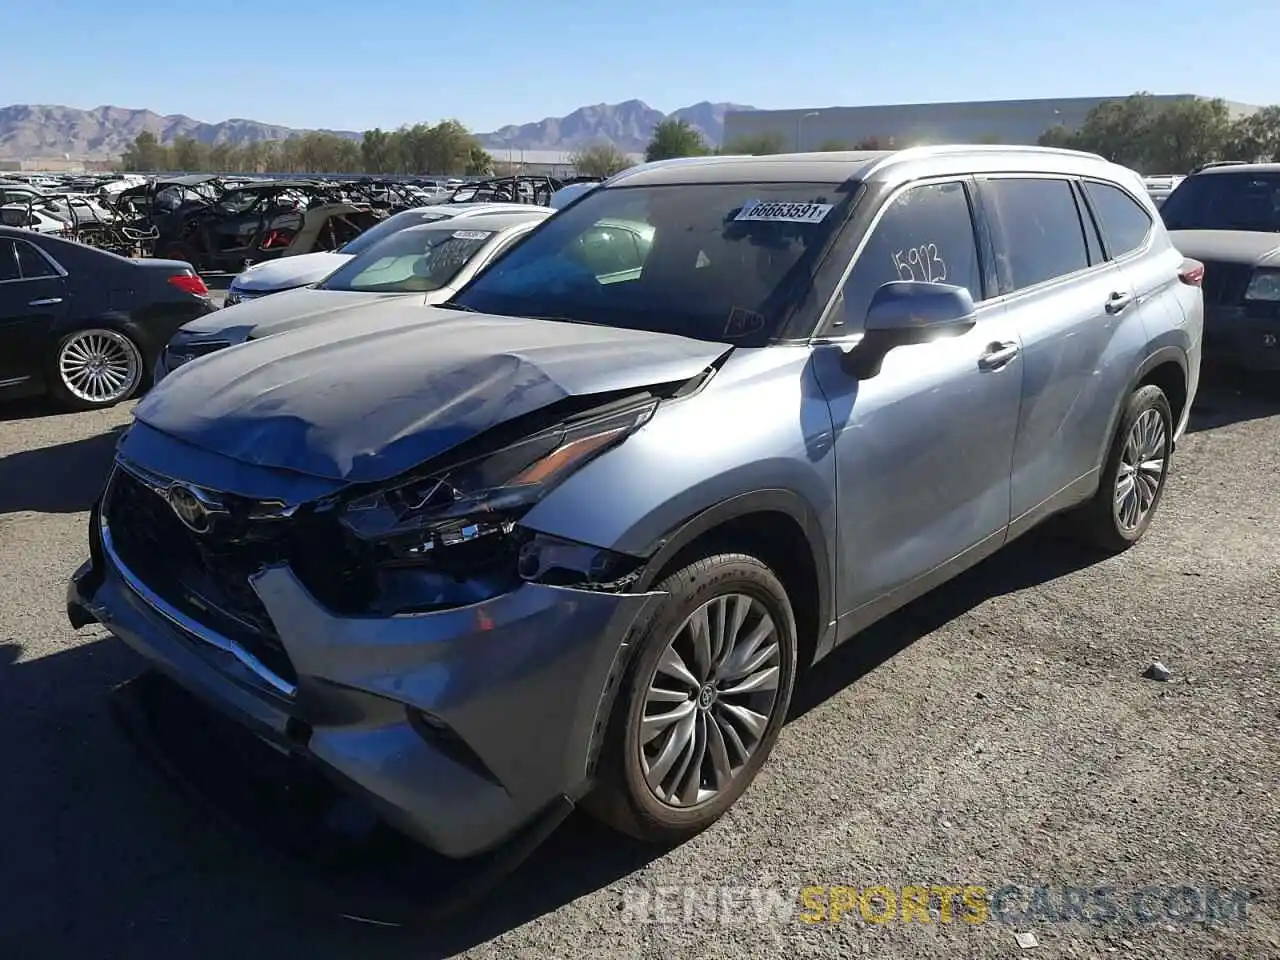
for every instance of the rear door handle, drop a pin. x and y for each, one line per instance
(1118, 301)
(46, 302)
(998, 355)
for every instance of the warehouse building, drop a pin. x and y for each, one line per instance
(991, 121)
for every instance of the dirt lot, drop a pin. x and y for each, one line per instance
(996, 733)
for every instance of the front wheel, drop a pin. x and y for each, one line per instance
(1133, 477)
(703, 702)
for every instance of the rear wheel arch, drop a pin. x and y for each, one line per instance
(776, 526)
(1166, 368)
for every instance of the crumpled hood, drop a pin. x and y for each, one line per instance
(1228, 246)
(365, 402)
(282, 311)
(285, 273)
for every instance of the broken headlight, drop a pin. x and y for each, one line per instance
(422, 520)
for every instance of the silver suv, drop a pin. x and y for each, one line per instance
(575, 534)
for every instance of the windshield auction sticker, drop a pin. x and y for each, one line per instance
(780, 212)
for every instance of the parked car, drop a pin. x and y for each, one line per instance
(1228, 217)
(85, 325)
(27, 217)
(289, 273)
(425, 264)
(575, 535)
(1161, 186)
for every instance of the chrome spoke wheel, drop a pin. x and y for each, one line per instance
(710, 699)
(1142, 466)
(99, 366)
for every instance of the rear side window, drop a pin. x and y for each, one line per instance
(925, 234)
(1041, 233)
(8, 261)
(1124, 223)
(31, 264)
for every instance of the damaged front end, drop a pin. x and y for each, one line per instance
(437, 658)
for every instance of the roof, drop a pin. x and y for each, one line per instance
(275, 185)
(1230, 168)
(192, 180)
(844, 166)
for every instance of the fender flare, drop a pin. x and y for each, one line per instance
(1160, 356)
(774, 500)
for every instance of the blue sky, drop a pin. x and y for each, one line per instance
(355, 65)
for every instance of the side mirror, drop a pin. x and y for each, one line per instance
(906, 312)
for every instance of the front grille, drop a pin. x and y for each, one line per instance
(206, 576)
(1225, 283)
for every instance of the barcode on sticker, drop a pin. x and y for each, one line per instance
(470, 234)
(777, 210)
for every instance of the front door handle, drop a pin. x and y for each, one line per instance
(998, 355)
(1118, 301)
(46, 302)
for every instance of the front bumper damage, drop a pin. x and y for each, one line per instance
(458, 727)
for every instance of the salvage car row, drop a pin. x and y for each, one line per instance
(522, 509)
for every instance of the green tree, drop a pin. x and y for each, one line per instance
(189, 154)
(675, 138)
(989, 138)
(1185, 134)
(378, 152)
(757, 145)
(833, 146)
(144, 155)
(1256, 137)
(479, 162)
(600, 160)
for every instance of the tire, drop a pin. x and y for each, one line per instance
(115, 351)
(1101, 521)
(622, 797)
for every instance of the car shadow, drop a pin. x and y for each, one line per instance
(31, 408)
(64, 478)
(104, 859)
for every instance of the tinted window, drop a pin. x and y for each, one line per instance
(1040, 223)
(8, 262)
(725, 262)
(32, 264)
(926, 233)
(1225, 201)
(1125, 224)
(417, 260)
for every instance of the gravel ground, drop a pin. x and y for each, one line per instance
(997, 732)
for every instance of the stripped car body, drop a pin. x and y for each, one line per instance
(446, 553)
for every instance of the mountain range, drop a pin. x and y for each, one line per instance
(44, 131)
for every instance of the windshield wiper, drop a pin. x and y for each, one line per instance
(454, 305)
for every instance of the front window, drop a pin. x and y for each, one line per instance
(1225, 201)
(720, 262)
(401, 221)
(417, 260)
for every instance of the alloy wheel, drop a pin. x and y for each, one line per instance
(710, 700)
(1142, 466)
(99, 366)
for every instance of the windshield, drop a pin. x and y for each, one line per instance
(402, 220)
(411, 261)
(721, 262)
(1225, 201)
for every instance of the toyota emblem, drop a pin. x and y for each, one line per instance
(188, 507)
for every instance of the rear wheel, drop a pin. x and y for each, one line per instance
(95, 368)
(702, 703)
(1133, 477)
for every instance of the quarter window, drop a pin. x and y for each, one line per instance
(8, 262)
(1124, 223)
(31, 263)
(1041, 233)
(925, 234)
